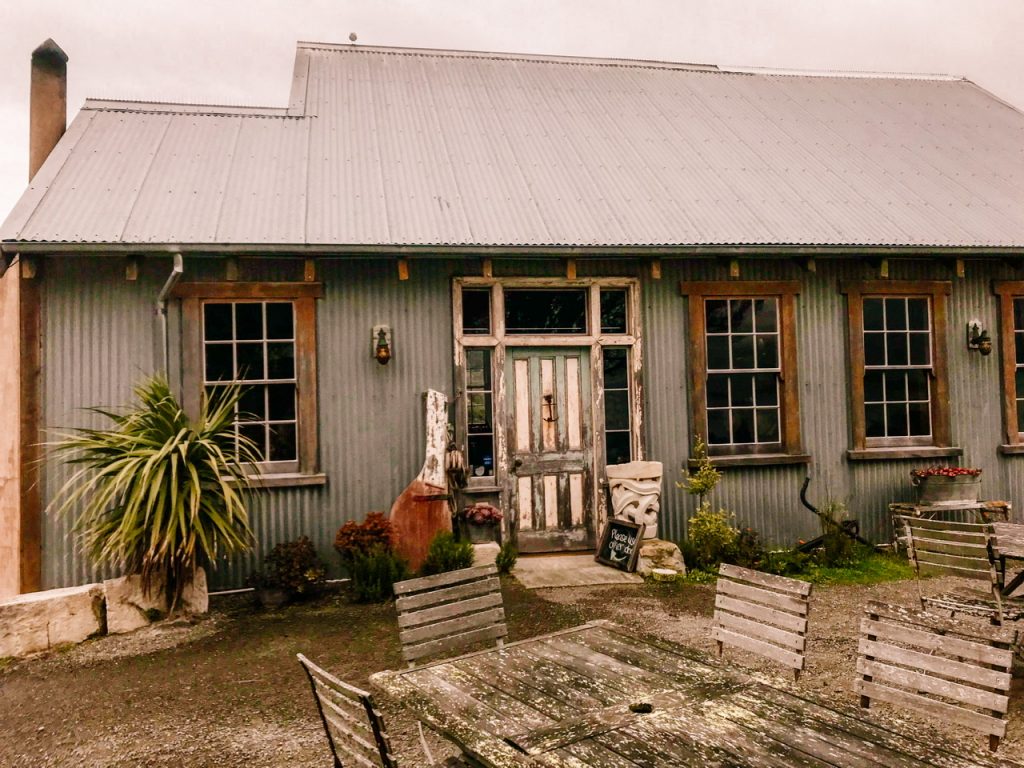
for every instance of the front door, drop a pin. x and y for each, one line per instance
(551, 448)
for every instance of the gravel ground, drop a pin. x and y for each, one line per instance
(226, 691)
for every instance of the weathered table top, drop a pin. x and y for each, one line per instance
(566, 699)
(1009, 539)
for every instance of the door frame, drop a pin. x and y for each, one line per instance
(498, 342)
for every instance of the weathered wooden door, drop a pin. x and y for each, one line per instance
(551, 448)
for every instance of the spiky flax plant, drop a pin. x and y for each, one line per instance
(158, 495)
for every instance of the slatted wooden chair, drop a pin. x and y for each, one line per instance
(937, 667)
(762, 613)
(354, 726)
(449, 611)
(947, 547)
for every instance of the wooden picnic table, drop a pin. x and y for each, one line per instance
(1009, 545)
(577, 698)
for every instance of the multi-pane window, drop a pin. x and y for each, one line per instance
(1010, 338)
(899, 382)
(261, 336)
(743, 368)
(617, 432)
(479, 412)
(252, 343)
(897, 366)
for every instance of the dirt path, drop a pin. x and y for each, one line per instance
(228, 692)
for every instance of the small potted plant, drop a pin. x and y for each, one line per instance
(938, 485)
(479, 522)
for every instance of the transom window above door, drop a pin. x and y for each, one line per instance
(583, 309)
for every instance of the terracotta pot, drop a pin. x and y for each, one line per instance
(271, 597)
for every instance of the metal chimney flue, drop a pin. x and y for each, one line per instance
(48, 110)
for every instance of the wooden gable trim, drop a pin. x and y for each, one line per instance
(937, 291)
(238, 290)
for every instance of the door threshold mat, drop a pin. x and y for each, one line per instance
(542, 571)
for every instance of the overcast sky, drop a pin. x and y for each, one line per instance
(241, 51)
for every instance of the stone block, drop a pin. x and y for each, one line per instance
(128, 608)
(39, 621)
(661, 554)
(485, 554)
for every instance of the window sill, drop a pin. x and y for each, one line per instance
(903, 452)
(1012, 450)
(761, 459)
(287, 480)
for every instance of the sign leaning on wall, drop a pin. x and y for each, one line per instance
(620, 544)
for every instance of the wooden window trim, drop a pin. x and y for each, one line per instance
(304, 296)
(1007, 291)
(786, 292)
(884, 448)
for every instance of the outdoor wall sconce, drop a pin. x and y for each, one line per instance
(978, 338)
(382, 344)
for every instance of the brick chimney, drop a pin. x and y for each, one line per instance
(48, 110)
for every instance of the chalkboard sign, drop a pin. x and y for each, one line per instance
(620, 544)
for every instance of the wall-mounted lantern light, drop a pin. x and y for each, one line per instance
(382, 344)
(978, 338)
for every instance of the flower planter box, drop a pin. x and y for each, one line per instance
(939, 489)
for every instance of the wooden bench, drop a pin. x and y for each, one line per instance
(449, 611)
(762, 613)
(965, 550)
(936, 667)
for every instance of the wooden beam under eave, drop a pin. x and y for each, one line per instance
(570, 269)
(807, 264)
(881, 267)
(231, 269)
(656, 269)
(29, 268)
(403, 269)
(131, 269)
(958, 268)
(487, 268)
(309, 270)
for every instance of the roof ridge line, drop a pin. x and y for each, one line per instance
(181, 107)
(509, 55)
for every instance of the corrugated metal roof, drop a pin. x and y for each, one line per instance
(398, 147)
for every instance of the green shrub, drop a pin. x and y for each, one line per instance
(446, 554)
(787, 562)
(158, 494)
(375, 530)
(293, 566)
(374, 573)
(837, 549)
(506, 558)
(748, 550)
(701, 477)
(711, 537)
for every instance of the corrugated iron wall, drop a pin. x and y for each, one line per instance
(102, 337)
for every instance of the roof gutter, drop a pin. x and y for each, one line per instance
(342, 250)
